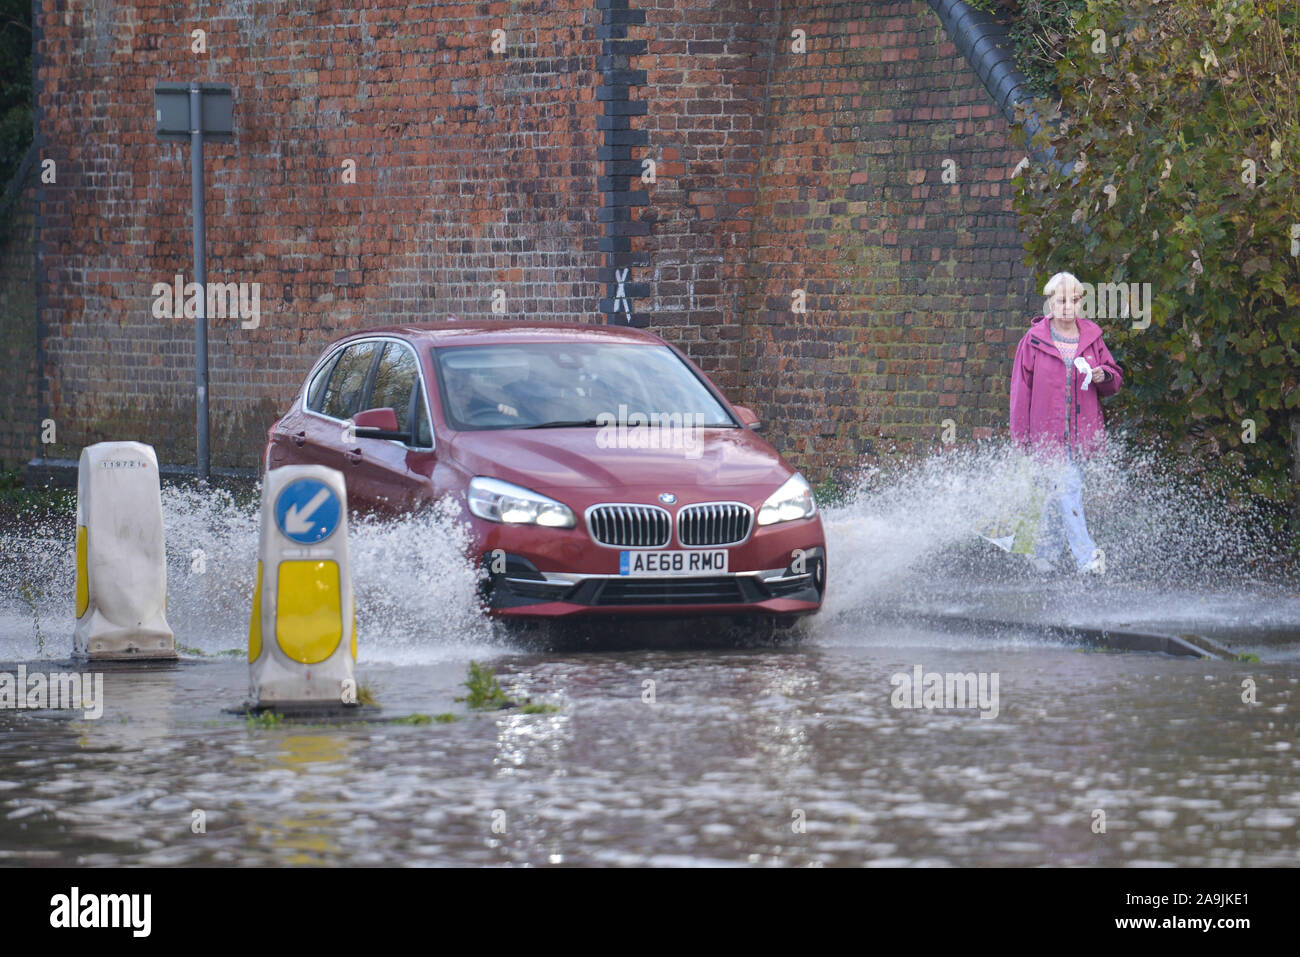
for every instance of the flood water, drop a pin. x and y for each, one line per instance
(793, 754)
(738, 748)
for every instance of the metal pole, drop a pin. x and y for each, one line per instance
(201, 279)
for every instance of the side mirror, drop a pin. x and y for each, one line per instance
(379, 424)
(747, 417)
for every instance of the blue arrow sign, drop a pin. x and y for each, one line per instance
(307, 511)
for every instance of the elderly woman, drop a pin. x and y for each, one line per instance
(1062, 369)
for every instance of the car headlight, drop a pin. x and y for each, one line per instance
(499, 501)
(792, 500)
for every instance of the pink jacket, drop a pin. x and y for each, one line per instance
(1039, 405)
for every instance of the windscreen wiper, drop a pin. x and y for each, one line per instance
(565, 424)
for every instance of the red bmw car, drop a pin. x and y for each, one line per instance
(600, 470)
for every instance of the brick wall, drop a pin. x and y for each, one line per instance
(473, 172)
(822, 171)
(916, 289)
(516, 171)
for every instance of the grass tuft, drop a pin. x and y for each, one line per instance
(539, 707)
(264, 720)
(484, 689)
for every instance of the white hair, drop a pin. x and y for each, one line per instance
(1061, 278)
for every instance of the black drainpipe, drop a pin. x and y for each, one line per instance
(988, 49)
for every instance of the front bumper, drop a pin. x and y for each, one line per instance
(517, 589)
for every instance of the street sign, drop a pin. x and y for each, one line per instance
(171, 107)
(196, 111)
(307, 511)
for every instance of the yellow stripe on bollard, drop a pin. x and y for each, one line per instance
(83, 582)
(309, 610)
(255, 624)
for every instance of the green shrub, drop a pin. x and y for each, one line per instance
(1040, 31)
(1174, 116)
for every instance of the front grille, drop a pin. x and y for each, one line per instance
(714, 523)
(670, 591)
(630, 526)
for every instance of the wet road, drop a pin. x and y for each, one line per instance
(792, 755)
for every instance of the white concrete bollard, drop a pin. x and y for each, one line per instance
(302, 641)
(121, 556)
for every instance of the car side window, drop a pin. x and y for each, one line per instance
(394, 380)
(342, 397)
(316, 391)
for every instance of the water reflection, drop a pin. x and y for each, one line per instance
(301, 828)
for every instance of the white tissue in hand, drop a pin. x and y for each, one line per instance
(1085, 370)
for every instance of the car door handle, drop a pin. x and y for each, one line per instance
(354, 456)
(300, 439)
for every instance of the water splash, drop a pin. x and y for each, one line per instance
(906, 536)
(211, 564)
(897, 519)
(416, 592)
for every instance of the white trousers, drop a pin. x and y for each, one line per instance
(1063, 520)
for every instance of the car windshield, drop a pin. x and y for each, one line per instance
(573, 384)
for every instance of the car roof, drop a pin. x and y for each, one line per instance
(496, 332)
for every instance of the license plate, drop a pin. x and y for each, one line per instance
(702, 561)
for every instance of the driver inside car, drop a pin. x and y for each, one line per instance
(473, 403)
